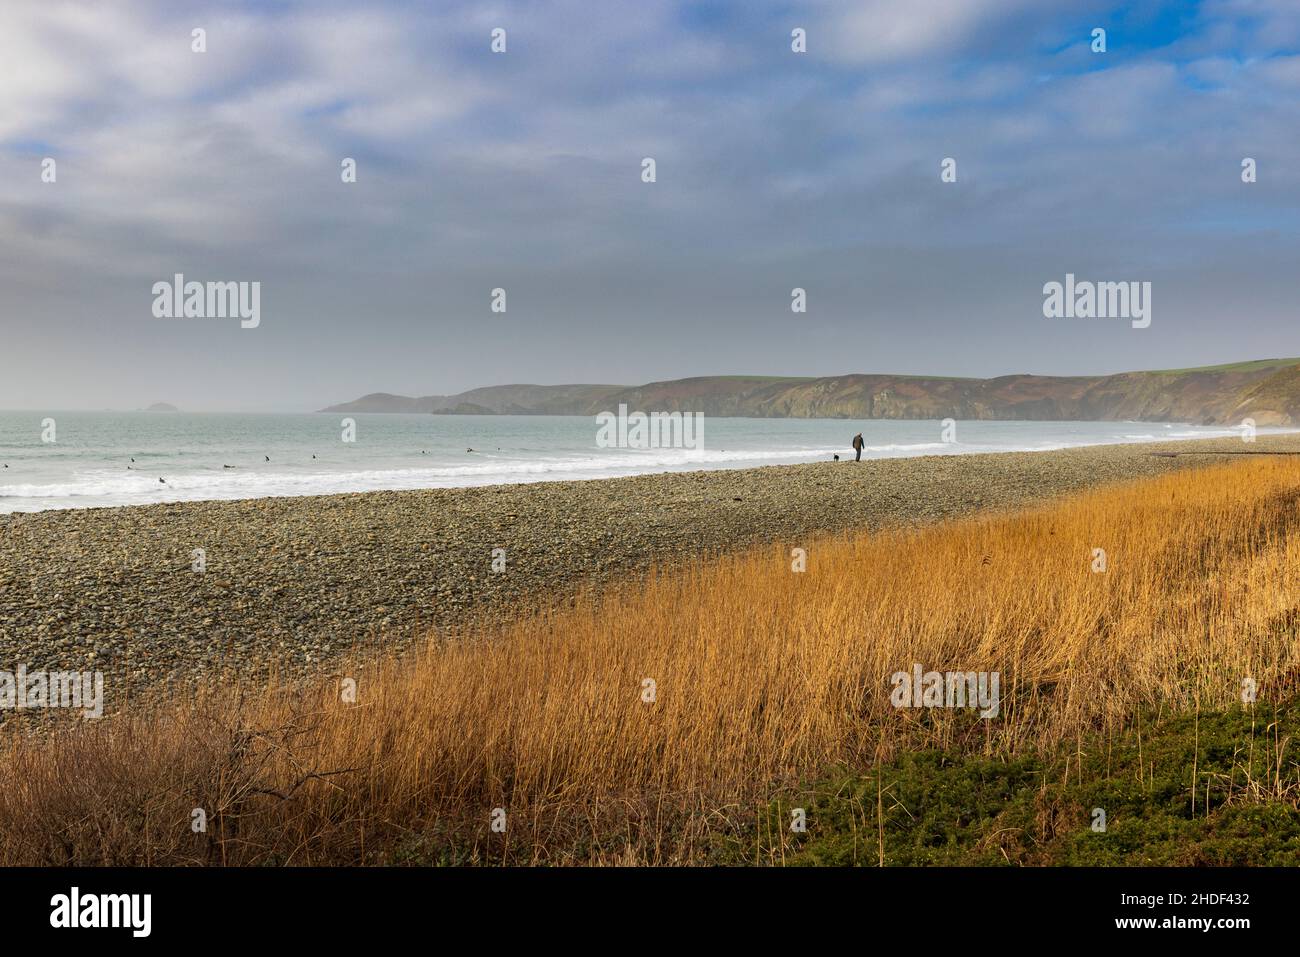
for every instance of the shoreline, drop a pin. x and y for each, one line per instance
(400, 463)
(301, 580)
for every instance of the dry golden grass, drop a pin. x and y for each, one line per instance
(760, 675)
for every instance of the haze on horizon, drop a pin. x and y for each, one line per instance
(522, 170)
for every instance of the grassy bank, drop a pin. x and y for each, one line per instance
(654, 720)
(1201, 789)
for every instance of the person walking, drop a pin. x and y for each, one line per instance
(857, 446)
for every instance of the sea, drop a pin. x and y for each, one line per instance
(59, 460)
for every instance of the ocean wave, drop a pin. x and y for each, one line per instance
(107, 486)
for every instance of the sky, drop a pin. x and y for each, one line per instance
(522, 170)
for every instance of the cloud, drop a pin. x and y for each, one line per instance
(478, 170)
(887, 31)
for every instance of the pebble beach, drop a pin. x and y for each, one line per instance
(297, 581)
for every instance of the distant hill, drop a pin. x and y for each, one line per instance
(1267, 390)
(161, 407)
(492, 400)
